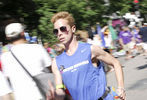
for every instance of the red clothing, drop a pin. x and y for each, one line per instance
(0, 66)
(66, 91)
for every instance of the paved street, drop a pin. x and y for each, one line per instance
(135, 72)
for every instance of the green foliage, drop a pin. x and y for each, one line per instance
(36, 14)
(122, 6)
(83, 11)
(143, 8)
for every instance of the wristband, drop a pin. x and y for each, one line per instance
(60, 86)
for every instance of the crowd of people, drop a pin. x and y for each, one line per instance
(124, 40)
(76, 63)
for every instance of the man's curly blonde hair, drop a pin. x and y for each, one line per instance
(63, 15)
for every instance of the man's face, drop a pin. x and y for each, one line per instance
(63, 30)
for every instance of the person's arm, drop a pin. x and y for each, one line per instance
(6, 97)
(120, 39)
(131, 36)
(104, 28)
(121, 42)
(5, 89)
(59, 95)
(108, 59)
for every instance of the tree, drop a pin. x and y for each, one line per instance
(36, 14)
(143, 9)
(18, 11)
(85, 12)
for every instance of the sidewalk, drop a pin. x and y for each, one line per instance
(135, 72)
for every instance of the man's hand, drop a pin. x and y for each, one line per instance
(51, 95)
(59, 94)
(121, 93)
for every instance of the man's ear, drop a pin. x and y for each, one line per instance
(22, 33)
(73, 28)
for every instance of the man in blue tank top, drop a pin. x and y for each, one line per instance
(78, 68)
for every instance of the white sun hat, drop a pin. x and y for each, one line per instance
(13, 29)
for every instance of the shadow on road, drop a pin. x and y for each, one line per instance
(142, 67)
(139, 85)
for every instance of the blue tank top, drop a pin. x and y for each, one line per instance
(82, 79)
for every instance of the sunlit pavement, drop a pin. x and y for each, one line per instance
(135, 72)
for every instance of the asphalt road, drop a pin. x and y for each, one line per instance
(135, 77)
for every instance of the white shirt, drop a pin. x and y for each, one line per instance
(108, 41)
(4, 86)
(35, 58)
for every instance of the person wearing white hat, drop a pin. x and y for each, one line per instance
(34, 58)
(14, 29)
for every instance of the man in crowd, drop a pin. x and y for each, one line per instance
(80, 66)
(34, 58)
(125, 39)
(143, 33)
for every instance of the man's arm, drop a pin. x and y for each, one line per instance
(58, 80)
(5, 89)
(6, 97)
(121, 42)
(56, 72)
(108, 59)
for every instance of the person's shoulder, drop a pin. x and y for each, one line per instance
(84, 44)
(96, 48)
(4, 55)
(28, 47)
(37, 46)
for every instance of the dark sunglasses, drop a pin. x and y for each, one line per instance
(62, 29)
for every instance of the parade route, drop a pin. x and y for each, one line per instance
(135, 73)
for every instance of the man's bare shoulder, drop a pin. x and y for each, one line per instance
(96, 48)
(96, 51)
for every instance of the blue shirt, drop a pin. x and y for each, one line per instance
(82, 79)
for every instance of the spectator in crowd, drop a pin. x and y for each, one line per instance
(79, 67)
(107, 38)
(59, 48)
(82, 36)
(125, 39)
(50, 50)
(136, 36)
(97, 40)
(137, 41)
(143, 33)
(33, 56)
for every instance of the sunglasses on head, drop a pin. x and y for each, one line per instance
(62, 29)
